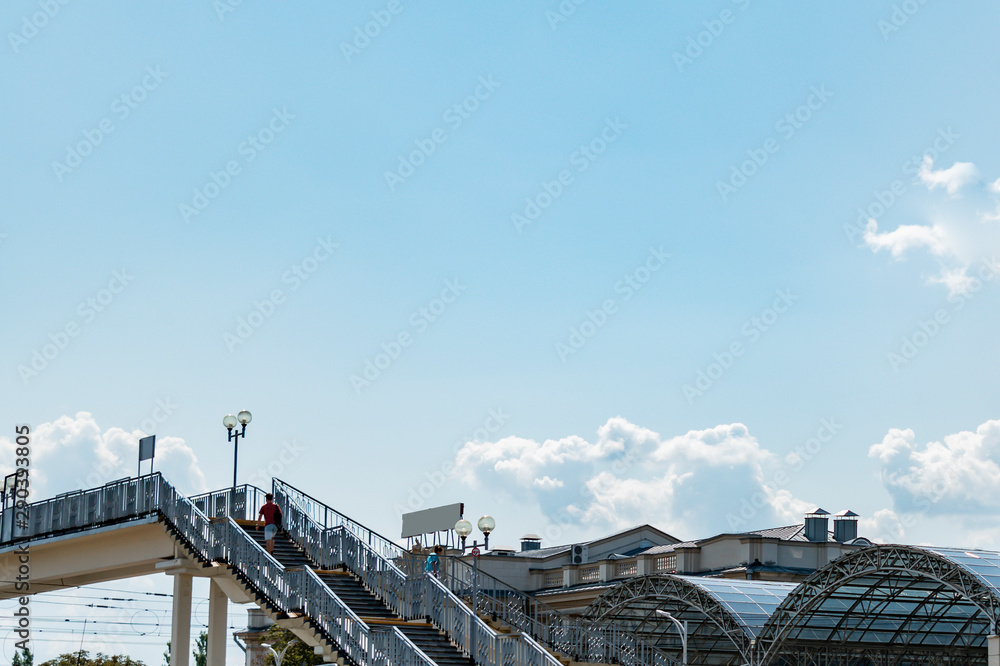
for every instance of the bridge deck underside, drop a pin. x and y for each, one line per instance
(97, 556)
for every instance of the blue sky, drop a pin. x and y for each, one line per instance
(245, 171)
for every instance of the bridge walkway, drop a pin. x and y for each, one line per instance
(336, 584)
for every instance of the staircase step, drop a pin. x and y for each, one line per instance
(366, 605)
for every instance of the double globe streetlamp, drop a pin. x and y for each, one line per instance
(230, 422)
(486, 524)
(463, 529)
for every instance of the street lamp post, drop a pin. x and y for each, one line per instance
(683, 629)
(230, 422)
(8, 489)
(463, 529)
(279, 657)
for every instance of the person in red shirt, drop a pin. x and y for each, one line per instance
(270, 525)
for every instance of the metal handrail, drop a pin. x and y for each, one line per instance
(222, 503)
(583, 640)
(354, 632)
(474, 635)
(321, 545)
(380, 575)
(396, 648)
(338, 545)
(312, 507)
(302, 590)
(131, 499)
(408, 596)
(327, 518)
(221, 539)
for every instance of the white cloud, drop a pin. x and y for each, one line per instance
(690, 485)
(546, 483)
(883, 527)
(722, 445)
(952, 179)
(74, 453)
(957, 476)
(721, 479)
(957, 280)
(907, 237)
(957, 233)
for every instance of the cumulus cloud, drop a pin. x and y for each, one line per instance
(957, 476)
(960, 233)
(628, 475)
(907, 237)
(957, 279)
(951, 179)
(884, 526)
(74, 452)
(722, 479)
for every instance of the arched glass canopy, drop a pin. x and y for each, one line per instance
(724, 616)
(889, 603)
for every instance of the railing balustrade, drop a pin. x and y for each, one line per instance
(394, 647)
(302, 590)
(474, 636)
(409, 596)
(220, 539)
(328, 518)
(584, 641)
(242, 505)
(206, 523)
(129, 499)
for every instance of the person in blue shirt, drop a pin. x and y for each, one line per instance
(433, 564)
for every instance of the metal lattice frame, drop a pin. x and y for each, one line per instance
(862, 656)
(879, 579)
(714, 634)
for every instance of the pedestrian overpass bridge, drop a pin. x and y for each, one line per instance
(337, 585)
(363, 601)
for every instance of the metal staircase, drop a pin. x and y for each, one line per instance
(366, 605)
(341, 542)
(285, 593)
(341, 584)
(334, 539)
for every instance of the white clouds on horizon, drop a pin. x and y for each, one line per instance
(687, 485)
(73, 453)
(691, 485)
(945, 492)
(694, 485)
(957, 476)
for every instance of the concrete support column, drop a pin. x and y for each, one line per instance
(256, 655)
(993, 650)
(180, 626)
(218, 621)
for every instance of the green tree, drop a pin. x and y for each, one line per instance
(83, 658)
(200, 652)
(166, 655)
(299, 654)
(23, 658)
